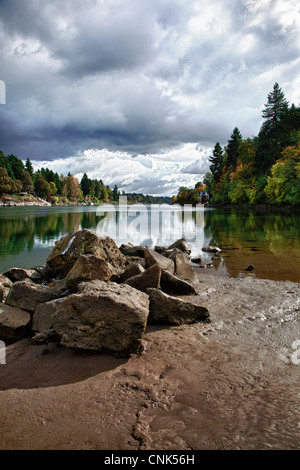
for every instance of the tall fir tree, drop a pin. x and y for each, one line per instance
(232, 149)
(274, 134)
(85, 184)
(275, 109)
(217, 162)
(29, 167)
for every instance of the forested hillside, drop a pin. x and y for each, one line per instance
(259, 170)
(17, 177)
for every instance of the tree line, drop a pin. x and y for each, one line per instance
(17, 177)
(263, 169)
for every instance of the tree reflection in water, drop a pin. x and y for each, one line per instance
(268, 240)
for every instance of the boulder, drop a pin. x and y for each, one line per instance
(170, 253)
(14, 323)
(130, 270)
(103, 316)
(83, 242)
(152, 257)
(160, 249)
(37, 275)
(135, 260)
(42, 317)
(183, 268)
(196, 260)
(148, 278)
(130, 250)
(87, 268)
(211, 249)
(166, 309)
(28, 295)
(5, 285)
(18, 274)
(182, 245)
(171, 284)
(60, 285)
(250, 268)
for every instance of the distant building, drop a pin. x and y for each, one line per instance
(203, 197)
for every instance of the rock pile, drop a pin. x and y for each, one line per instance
(93, 295)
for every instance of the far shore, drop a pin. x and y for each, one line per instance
(31, 201)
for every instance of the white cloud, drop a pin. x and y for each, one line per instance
(141, 82)
(157, 174)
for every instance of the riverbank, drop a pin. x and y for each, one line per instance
(257, 207)
(22, 200)
(28, 200)
(232, 383)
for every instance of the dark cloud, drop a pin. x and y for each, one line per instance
(140, 77)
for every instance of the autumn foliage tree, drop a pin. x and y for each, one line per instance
(283, 185)
(264, 169)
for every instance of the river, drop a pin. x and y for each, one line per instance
(270, 241)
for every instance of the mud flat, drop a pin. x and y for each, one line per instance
(232, 383)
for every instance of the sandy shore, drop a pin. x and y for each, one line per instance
(232, 383)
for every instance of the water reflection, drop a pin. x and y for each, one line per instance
(152, 225)
(267, 240)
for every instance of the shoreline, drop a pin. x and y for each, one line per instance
(258, 207)
(230, 384)
(11, 201)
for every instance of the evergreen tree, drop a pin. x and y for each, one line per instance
(275, 132)
(17, 166)
(275, 108)
(29, 167)
(217, 162)
(85, 184)
(4, 162)
(115, 193)
(232, 148)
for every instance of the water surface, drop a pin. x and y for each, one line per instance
(269, 241)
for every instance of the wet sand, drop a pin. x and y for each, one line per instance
(231, 384)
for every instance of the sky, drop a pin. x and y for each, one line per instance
(138, 92)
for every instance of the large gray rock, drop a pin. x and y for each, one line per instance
(14, 323)
(183, 268)
(87, 268)
(152, 257)
(28, 295)
(148, 278)
(171, 284)
(18, 274)
(167, 309)
(130, 250)
(182, 245)
(42, 317)
(5, 285)
(130, 270)
(103, 316)
(68, 249)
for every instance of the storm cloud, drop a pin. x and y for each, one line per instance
(146, 87)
